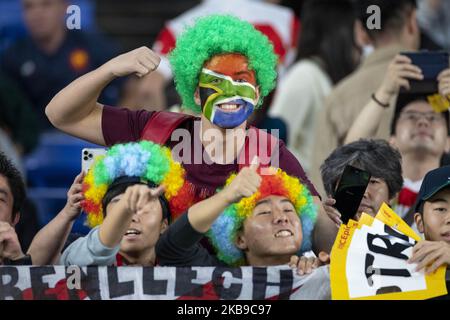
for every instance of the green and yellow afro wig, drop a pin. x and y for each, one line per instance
(218, 34)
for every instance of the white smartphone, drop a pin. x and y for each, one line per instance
(88, 156)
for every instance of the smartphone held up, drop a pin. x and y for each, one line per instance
(350, 191)
(88, 156)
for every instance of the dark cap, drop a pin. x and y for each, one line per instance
(434, 181)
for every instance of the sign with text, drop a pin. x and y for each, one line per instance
(369, 261)
(161, 283)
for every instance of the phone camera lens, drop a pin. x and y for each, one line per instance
(90, 155)
(85, 152)
(86, 158)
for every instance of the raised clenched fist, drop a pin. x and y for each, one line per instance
(140, 61)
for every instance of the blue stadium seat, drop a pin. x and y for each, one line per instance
(12, 26)
(51, 169)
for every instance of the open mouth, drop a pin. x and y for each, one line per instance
(132, 232)
(446, 236)
(283, 234)
(230, 107)
(423, 134)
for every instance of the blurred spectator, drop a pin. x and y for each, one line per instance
(18, 122)
(52, 56)
(18, 136)
(12, 191)
(12, 26)
(399, 32)
(434, 19)
(374, 156)
(278, 23)
(262, 120)
(327, 53)
(12, 196)
(422, 137)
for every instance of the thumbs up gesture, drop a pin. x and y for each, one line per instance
(245, 184)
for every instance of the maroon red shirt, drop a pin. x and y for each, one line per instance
(120, 125)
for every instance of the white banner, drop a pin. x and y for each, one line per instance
(163, 283)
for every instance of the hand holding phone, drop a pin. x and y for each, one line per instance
(331, 211)
(432, 63)
(350, 191)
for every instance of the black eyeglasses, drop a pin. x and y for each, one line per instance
(414, 116)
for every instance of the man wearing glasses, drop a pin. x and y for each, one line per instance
(422, 137)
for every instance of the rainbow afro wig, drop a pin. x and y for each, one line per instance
(146, 160)
(223, 232)
(218, 34)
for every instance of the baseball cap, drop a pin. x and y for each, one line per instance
(434, 181)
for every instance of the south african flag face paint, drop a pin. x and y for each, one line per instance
(225, 102)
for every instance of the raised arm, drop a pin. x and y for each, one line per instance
(46, 247)
(399, 72)
(75, 109)
(203, 214)
(118, 219)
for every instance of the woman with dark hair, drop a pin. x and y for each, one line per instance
(327, 53)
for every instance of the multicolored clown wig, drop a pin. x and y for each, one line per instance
(150, 162)
(219, 34)
(224, 231)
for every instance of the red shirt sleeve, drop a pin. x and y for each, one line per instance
(290, 164)
(120, 125)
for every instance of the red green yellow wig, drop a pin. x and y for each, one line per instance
(146, 160)
(224, 230)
